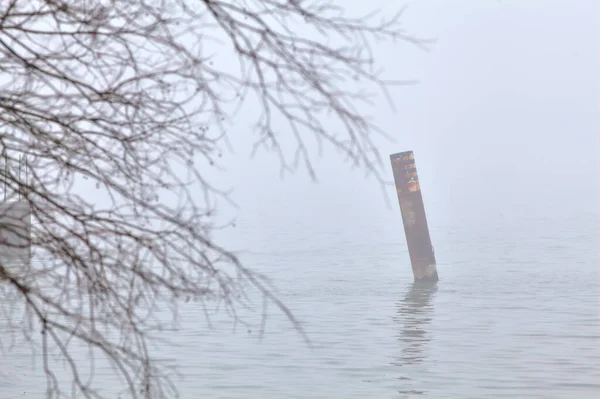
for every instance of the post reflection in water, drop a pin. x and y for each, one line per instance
(413, 314)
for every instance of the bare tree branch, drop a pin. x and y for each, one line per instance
(109, 101)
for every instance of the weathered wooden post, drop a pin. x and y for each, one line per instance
(412, 209)
(15, 222)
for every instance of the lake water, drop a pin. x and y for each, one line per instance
(515, 314)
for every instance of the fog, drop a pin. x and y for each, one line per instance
(500, 106)
(504, 113)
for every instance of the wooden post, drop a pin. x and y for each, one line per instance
(412, 209)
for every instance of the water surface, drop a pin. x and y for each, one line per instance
(515, 314)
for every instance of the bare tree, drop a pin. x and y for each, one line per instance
(110, 102)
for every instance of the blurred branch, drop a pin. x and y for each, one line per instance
(115, 96)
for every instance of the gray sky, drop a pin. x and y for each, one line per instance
(505, 114)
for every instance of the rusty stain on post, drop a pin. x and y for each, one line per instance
(412, 209)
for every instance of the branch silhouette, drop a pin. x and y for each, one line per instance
(110, 102)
